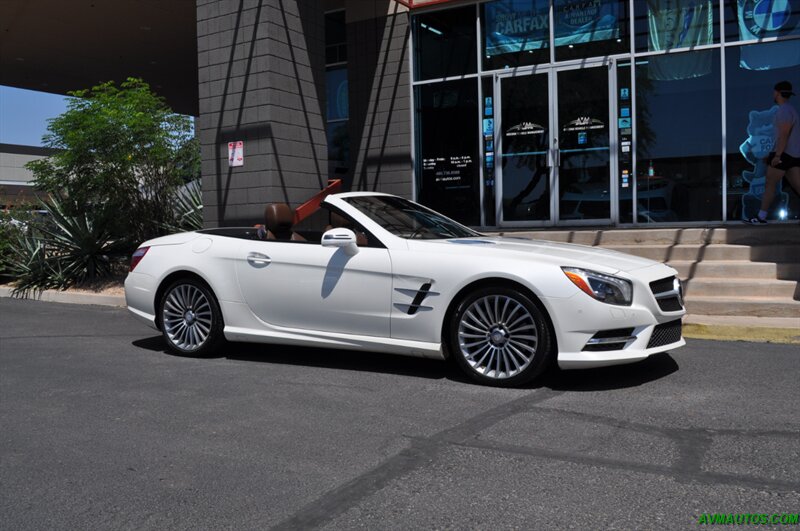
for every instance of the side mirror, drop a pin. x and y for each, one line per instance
(341, 237)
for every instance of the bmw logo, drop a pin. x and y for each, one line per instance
(766, 18)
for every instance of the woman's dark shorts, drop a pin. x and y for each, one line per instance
(787, 161)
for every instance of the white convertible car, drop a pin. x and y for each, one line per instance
(380, 273)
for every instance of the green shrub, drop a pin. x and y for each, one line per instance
(121, 156)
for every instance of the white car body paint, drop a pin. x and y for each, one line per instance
(315, 295)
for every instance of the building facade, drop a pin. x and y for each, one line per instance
(501, 113)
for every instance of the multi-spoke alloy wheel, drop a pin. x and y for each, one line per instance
(190, 318)
(500, 337)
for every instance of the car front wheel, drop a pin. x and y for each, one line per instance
(499, 337)
(191, 320)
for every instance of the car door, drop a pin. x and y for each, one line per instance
(311, 287)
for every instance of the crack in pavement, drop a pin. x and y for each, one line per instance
(678, 471)
(421, 452)
(692, 444)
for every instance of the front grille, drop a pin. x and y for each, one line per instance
(667, 303)
(665, 334)
(670, 304)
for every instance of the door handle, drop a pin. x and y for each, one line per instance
(258, 259)
(556, 153)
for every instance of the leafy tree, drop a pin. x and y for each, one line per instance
(122, 154)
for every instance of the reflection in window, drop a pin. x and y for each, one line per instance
(515, 33)
(669, 24)
(750, 133)
(444, 43)
(589, 28)
(447, 149)
(678, 126)
(749, 20)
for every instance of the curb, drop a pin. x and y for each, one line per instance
(756, 334)
(71, 297)
(784, 330)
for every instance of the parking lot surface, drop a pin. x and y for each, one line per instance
(100, 428)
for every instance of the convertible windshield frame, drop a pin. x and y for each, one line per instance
(409, 220)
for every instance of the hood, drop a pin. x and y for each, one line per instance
(564, 254)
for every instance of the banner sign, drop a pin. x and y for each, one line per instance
(582, 21)
(513, 26)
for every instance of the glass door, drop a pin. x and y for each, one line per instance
(553, 134)
(582, 146)
(524, 140)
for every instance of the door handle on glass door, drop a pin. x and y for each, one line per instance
(258, 259)
(556, 153)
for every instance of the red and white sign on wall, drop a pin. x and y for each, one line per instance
(236, 153)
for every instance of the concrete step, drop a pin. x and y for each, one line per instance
(742, 287)
(715, 251)
(731, 234)
(754, 306)
(694, 252)
(736, 269)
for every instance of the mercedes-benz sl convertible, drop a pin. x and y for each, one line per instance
(377, 272)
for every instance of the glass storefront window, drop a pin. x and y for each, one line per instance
(445, 43)
(750, 20)
(625, 181)
(669, 24)
(337, 93)
(515, 33)
(750, 133)
(590, 28)
(489, 153)
(679, 133)
(335, 37)
(447, 148)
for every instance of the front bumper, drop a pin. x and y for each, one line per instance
(579, 318)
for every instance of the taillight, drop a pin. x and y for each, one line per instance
(137, 256)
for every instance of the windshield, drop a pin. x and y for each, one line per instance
(406, 219)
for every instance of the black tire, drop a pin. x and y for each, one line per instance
(499, 343)
(190, 319)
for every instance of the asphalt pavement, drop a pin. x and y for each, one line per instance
(100, 428)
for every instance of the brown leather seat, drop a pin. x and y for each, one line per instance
(339, 221)
(279, 218)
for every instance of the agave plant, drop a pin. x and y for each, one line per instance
(188, 208)
(64, 250)
(32, 267)
(82, 244)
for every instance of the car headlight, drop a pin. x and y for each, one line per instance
(604, 288)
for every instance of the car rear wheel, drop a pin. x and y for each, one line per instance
(499, 337)
(191, 320)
